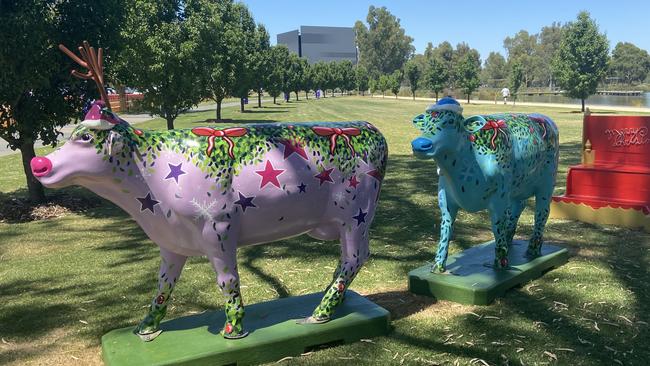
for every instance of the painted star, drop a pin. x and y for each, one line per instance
(324, 176)
(360, 217)
(354, 182)
(375, 174)
(175, 171)
(245, 202)
(147, 203)
(302, 188)
(291, 147)
(269, 175)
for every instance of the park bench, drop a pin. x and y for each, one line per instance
(612, 185)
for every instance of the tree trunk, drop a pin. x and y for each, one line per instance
(259, 98)
(35, 188)
(122, 95)
(297, 95)
(219, 109)
(436, 97)
(468, 94)
(583, 105)
(413, 95)
(170, 122)
(241, 105)
(307, 94)
(274, 100)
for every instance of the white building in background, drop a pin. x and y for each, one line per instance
(321, 43)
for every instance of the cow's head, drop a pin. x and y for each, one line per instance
(443, 128)
(89, 153)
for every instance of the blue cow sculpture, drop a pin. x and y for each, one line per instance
(489, 161)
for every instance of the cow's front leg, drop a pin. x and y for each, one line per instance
(171, 265)
(225, 265)
(448, 211)
(515, 210)
(500, 216)
(542, 209)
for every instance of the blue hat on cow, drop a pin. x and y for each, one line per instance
(446, 104)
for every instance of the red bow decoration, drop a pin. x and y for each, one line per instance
(335, 132)
(497, 126)
(542, 122)
(225, 134)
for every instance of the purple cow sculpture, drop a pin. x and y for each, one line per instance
(207, 191)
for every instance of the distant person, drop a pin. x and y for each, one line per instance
(318, 92)
(505, 92)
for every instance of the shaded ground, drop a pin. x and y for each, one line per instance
(64, 282)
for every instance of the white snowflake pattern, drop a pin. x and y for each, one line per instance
(203, 210)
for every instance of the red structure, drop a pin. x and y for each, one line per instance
(612, 185)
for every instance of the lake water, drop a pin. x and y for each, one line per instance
(639, 101)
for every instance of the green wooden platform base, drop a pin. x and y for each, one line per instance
(470, 278)
(274, 334)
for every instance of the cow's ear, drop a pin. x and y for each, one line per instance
(474, 123)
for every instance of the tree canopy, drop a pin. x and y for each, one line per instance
(581, 60)
(630, 63)
(383, 44)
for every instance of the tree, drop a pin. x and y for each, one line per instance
(333, 78)
(296, 68)
(467, 74)
(320, 72)
(581, 61)
(383, 83)
(279, 56)
(521, 48)
(308, 80)
(346, 69)
(495, 70)
(383, 45)
(630, 63)
(373, 85)
(436, 76)
(37, 93)
(548, 43)
(244, 69)
(160, 54)
(516, 78)
(361, 79)
(394, 82)
(413, 74)
(462, 50)
(262, 67)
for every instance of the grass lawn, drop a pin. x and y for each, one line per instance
(65, 282)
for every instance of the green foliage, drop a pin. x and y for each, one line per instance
(437, 75)
(161, 49)
(245, 68)
(383, 45)
(581, 61)
(413, 74)
(279, 57)
(37, 92)
(383, 84)
(394, 81)
(630, 63)
(495, 70)
(262, 66)
(521, 49)
(467, 73)
(295, 74)
(361, 78)
(346, 70)
(516, 78)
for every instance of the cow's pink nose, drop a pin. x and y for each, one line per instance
(41, 166)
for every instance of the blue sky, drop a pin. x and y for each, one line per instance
(482, 24)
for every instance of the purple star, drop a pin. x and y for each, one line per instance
(245, 202)
(147, 203)
(361, 217)
(302, 188)
(175, 171)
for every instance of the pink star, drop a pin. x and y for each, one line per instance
(354, 182)
(291, 147)
(324, 176)
(375, 174)
(269, 175)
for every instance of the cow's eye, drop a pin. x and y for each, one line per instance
(86, 137)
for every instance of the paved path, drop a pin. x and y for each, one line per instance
(133, 119)
(615, 108)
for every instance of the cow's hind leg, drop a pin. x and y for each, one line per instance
(515, 211)
(171, 265)
(225, 265)
(448, 211)
(354, 253)
(542, 209)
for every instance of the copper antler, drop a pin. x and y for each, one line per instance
(92, 61)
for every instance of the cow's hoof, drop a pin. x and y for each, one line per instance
(314, 320)
(235, 336)
(501, 263)
(148, 337)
